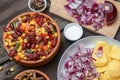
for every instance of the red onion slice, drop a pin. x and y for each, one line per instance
(80, 65)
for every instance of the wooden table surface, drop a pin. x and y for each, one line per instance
(11, 8)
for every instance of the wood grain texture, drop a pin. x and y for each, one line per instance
(108, 30)
(11, 8)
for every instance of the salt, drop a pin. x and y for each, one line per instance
(73, 31)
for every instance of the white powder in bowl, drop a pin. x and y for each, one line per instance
(73, 31)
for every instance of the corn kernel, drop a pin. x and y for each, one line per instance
(7, 40)
(10, 37)
(32, 22)
(24, 17)
(11, 58)
(19, 49)
(25, 58)
(23, 24)
(12, 69)
(11, 47)
(39, 49)
(23, 51)
(48, 45)
(55, 35)
(1, 68)
(39, 29)
(49, 42)
(23, 34)
(47, 37)
(42, 29)
(22, 56)
(37, 37)
(19, 53)
(8, 32)
(42, 32)
(46, 33)
(19, 38)
(25, 41)
(13, 43)
(36, 46)
(42, 57)
(6, 43)
(19, 18)
(33, 50)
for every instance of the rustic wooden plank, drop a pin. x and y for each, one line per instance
(4, 4)
(3, 53)
(13, 10)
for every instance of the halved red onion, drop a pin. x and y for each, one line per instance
(110, 12)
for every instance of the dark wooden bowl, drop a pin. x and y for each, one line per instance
(36, 71)
(37, 63)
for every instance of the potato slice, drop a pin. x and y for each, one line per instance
(108, 77)
(100, 61)
(114, 69)
(99, 44)
(107, 50)
(115, 53)
(101, 69)
(102, 77)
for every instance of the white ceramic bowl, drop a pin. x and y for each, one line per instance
(37, 10)
(73, 31)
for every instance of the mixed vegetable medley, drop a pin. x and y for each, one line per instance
(30, 37)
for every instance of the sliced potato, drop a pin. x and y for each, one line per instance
(115, 53)
(99, 44)
(107, 50)
(100, 61)
(114, 69)
(101, 69)
(102, 77)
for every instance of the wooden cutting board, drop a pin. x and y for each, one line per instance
(57, 8)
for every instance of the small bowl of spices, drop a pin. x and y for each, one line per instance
(37, 5)
(31, 75)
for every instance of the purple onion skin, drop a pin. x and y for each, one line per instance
(111, 13)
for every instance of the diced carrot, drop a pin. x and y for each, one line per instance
(27, 30)
(44, 35)
(6, 35)
(40, 47)
(32, 28)
(17, 58)
(45, 48)
(44, 19)
(22, 28)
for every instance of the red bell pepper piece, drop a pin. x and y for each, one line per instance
(38, 22)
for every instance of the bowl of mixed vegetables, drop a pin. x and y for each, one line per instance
(31, 75)
(31, 39)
